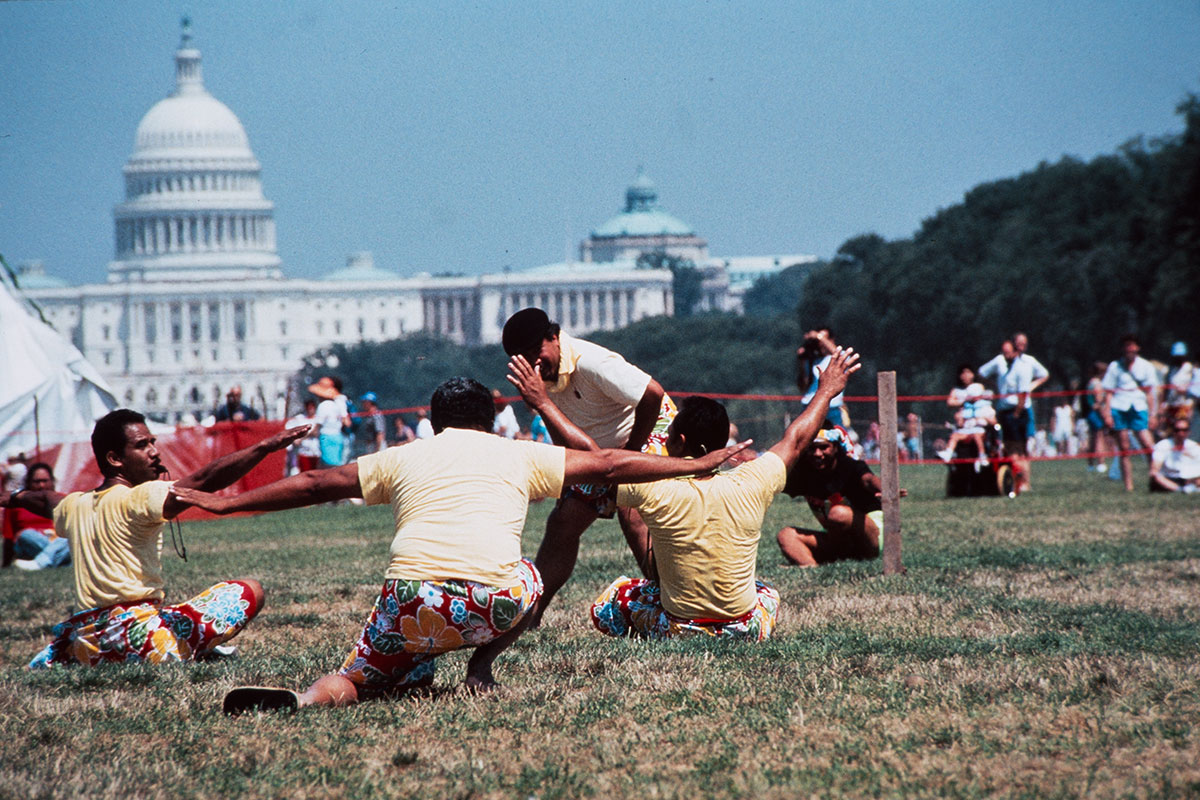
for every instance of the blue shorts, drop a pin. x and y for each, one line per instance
(1095, 421)
(1130, 420)
(332, 449)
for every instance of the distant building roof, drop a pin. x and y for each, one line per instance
(642, 215)
(360, 268)
(32, 275)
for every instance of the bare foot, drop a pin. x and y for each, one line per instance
(477, 685)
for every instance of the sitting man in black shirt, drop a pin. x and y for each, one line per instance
(843, 494)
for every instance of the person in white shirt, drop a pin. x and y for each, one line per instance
(1175, 461)
(1016, 375)
(505, 424)
(424, 426)
(306, 453)
(1130, 387)
(332, 415)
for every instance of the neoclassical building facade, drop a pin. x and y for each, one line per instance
(196, 299)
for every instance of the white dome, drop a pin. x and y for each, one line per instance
(190, 122)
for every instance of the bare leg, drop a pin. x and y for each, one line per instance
(559, 550)
(847, 534)
(798, 546)
(479, 668)
(637, 536)
(1124, 443)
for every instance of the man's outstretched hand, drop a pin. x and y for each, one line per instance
(286, 438)
(842, 364)
(528, 381)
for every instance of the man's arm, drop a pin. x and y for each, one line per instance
(227, 469)
(563, 432)
(41, 503)
(630, 466)
(645, 415)
(799, 435)
(306, 489)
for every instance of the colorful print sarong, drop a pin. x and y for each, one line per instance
(414, 622)
(602, 497)
(633, 607)
(147, 631)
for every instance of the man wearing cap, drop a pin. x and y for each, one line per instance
(614, 403)
(370, 436)
(115, 534)
(332, 416)
(1176, 402)
(843, 494)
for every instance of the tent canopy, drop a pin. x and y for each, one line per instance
(49, 393)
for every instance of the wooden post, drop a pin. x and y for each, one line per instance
(889, 472)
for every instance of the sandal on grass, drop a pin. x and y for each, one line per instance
(259, 698)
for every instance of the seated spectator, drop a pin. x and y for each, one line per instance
(404, 431)
(844, 497)
(34, 542)
(233, 410)
(973, 417)
(1175, 462)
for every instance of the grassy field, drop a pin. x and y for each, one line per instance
(1040, 647)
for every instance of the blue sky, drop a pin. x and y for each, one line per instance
(469, 136)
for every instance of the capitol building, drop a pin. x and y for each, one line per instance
(197, 300)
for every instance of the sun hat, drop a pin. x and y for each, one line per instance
(325, 388)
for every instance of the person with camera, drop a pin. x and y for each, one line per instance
(812, 358)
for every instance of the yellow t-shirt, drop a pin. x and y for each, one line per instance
(460, 501)
(598, 390)
(116, 542)
(705, 535)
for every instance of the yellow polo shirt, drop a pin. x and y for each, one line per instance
(705, 535)
(459, 500)
(116, 542)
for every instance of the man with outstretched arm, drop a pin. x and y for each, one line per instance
(704, 529)
(456, 577)
(115, 533)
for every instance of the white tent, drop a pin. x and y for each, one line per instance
(49, 393)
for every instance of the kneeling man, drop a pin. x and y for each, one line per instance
(704, 530)
(843, 494)
(115, 534)
(456, 577)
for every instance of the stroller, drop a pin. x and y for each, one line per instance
(969, 475)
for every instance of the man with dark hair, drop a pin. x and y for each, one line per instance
(115, 534)
(615, 404)
(233, 410)
(843, 494)
(456, 577)
(704, 530)
(1130, 400)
